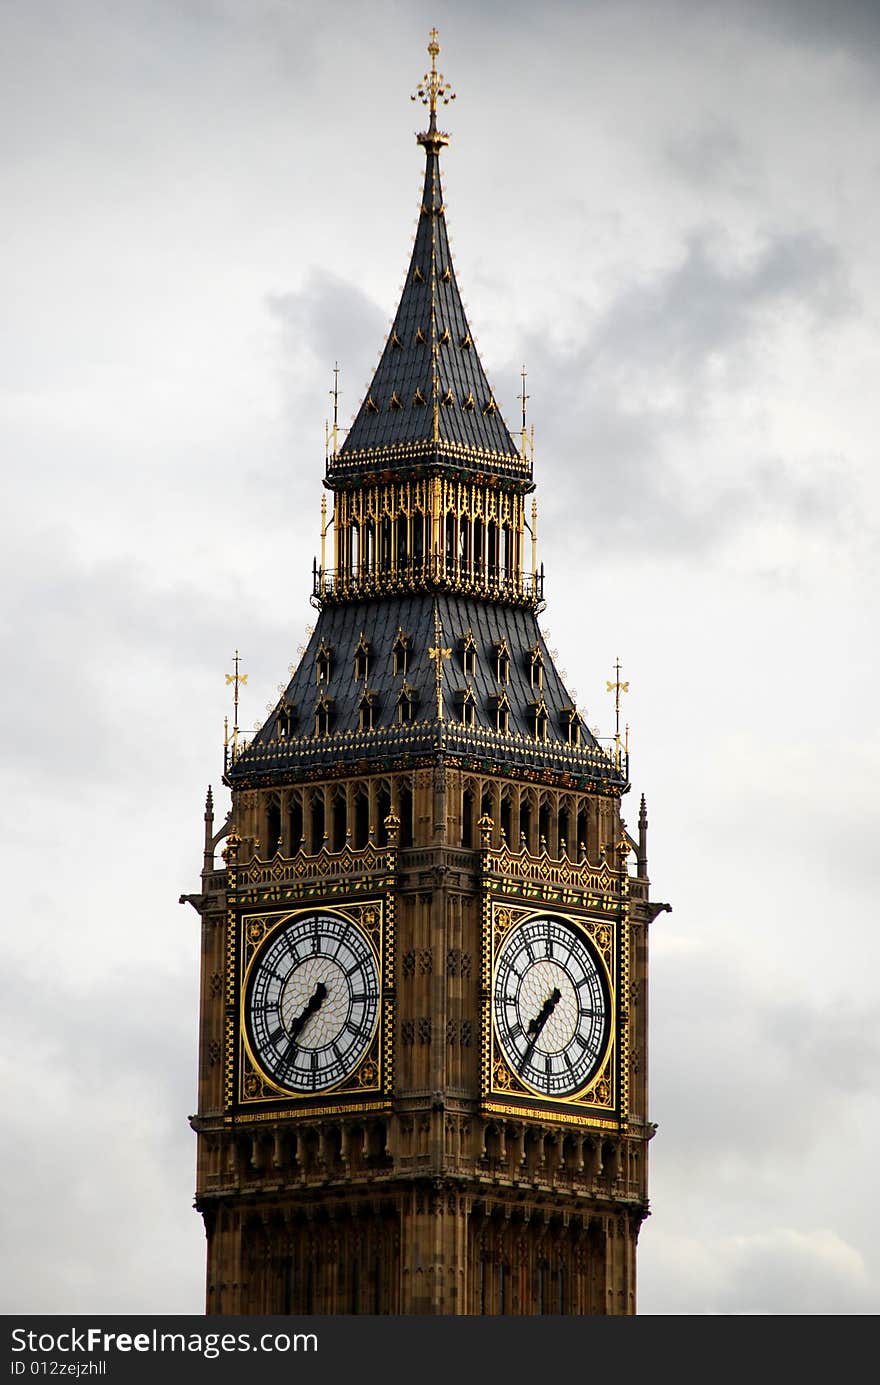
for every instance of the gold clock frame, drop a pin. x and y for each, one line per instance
(372, 1077)
(602, 1101)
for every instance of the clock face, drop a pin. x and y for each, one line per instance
(550, 1006)
(312, 1002)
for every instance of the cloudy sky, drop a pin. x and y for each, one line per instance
(668, 210)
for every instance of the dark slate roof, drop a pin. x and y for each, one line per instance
(292, 754)
(429, 402)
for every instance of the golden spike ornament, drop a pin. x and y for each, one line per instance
(438, 654)
(617, 687)
(335, 394)
(238, 680)
(433, 86)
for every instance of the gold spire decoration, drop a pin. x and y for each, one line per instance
(617, 688)
(438, 654)
(432, 89)
(335, 394)
(238, 680)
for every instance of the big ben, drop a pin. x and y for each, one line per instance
(424, 977)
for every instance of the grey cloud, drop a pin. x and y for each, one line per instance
(784, 1272)
(851, 26)
(103, 653)
(760, 1057)
(98, 1096)
(713, 153)
(776, 1269)
(702, 306)
(329, 319)
(637, 436)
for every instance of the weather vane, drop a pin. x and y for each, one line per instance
(617, 688)
(433, 86)
(238, 680)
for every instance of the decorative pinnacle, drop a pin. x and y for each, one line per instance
(438, 654)
(617, 688)
(432, 89)
(238, 680)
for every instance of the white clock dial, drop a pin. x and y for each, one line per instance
(550, 1006)
(313, 1002)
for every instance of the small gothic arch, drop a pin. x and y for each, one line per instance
(469, 653)
(536, 667)
(405, 813)
(383, 810)
(338, 820)
(400, 652)
(317, 821)
(507, 819)
(361, 827)
(323, 663)
(406, 704)
(367, 710)
(361, 659)
(500, 705)
(294, 822)
(468, 707)
(544, 823)
(323, 715)
(525, 822)
(272, 826)
(571, 725)
(285, 721)
(467, 816)
(541, 719)
(502, 663)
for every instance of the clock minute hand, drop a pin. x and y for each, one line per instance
(545, 1012)
(314, 1004)
(537, 1024)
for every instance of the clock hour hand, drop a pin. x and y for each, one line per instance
(313, 1005)
(537, 1024)
(544, 1013)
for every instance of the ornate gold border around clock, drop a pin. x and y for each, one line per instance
(502, 1091)
(373, 1074)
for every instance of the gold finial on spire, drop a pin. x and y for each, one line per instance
(432, 89)
(238, 680)
(617, 688)
(438, 654)
(523, 398)
(335, 393)
(534, 531)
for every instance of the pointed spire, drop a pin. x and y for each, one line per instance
(208, 861)
(643, 840)
(429, 402)
(438, 655)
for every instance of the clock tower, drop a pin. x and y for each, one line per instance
(423, 1039)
